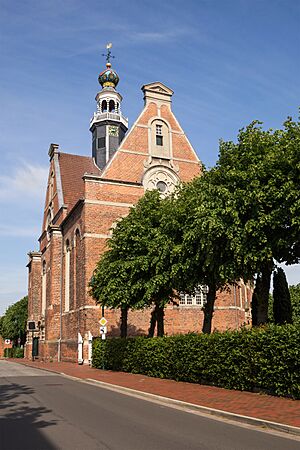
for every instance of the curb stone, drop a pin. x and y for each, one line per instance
(191, 407)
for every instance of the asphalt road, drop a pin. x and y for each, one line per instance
(44, 411)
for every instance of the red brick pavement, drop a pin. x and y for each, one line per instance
(261, 406)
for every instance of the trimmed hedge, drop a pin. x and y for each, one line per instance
(15, 352)
(267, 359)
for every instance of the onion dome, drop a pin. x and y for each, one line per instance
(108, 78)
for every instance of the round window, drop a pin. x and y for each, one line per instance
(162, 186)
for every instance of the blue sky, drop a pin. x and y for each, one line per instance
(228, 61)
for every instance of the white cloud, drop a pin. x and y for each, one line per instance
(158, 36)
(19, 231)
(155, 36)
(27, 180)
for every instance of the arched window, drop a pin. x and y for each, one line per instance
(51, 187)
(78, 270)
(44, 288)
(49, 220)
(104, 106)
(67, 275)
(49, 217)
(111, 106)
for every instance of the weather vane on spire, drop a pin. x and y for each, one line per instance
(108, 55)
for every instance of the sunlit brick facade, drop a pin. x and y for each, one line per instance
(85, 197)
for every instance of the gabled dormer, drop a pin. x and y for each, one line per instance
(157, 92)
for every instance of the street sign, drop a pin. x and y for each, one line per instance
(103, 321)
(103, 330)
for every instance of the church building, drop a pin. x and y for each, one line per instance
(85, 197)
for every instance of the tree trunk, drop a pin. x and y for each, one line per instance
(263, 294)
(152, 323)
(254, 302)
(160, 320)
(124, 317)
(209, 309)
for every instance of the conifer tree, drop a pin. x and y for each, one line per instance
(282, 307)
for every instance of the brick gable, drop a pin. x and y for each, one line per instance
(130, 161)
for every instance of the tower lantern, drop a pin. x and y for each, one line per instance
(108, 125)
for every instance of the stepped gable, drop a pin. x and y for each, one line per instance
(72, 169)
(139, 151)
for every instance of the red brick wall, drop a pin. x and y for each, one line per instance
(87, 229)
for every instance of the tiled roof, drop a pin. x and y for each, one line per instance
(72, 169)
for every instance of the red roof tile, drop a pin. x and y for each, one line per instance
(72, 169)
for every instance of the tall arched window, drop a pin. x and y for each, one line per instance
(112, 106)
(77, 268)
(49, 219)
(67, 275)
(44, 288)
(51, 187)
(104, 106)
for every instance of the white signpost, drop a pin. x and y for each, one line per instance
(103, 327)
(103, 331)
(80, 349)
(90, 348)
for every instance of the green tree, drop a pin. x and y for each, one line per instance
(282, 307)
(204, 250)
(1, 321)
(261, 175)
(233, 222)
(295, 300)
(111, 287)
(14, 321)
(136, 271)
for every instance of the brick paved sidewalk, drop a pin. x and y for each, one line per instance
(261, 406)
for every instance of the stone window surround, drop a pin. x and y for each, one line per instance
(164, 150)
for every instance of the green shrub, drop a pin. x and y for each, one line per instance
(8, 353)
(263, 358)
(18, 352)
(15, 352)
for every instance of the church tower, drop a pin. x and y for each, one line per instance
(108, 125)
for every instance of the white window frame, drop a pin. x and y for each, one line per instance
(197, 298)
(158, 130)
